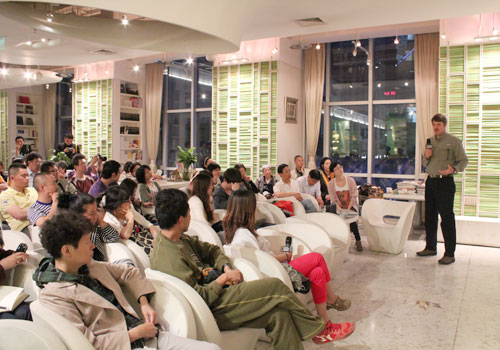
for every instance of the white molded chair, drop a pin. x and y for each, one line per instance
(260, 197)
(298, 208)
(173, 310)
(118, 251)
(204, 232)
(22, 276)
(220, 213)
(21, 335)
(69, 334)
(207, 329)
(384, 237)
(312, 199)
(272, 212)
(12, 239)
(140, 256)
(336, 228)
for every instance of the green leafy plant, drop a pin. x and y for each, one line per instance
(186, 157)
(59, 156)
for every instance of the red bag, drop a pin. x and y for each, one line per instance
(285, 206)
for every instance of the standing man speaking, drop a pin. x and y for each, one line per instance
(444, 156)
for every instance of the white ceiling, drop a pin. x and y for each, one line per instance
(220, 25)
(16, 78)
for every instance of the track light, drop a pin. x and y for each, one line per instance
(27, 75)
(368, 62)
(135, 68)
(189, 60)
(50, 17)
(443, 36)
(318, 46)
(275, 51)
(203, 96)
(29, 43)
(106, 72)
(406, 83)
(379, 85)
(125, 20)
(358, 43)
(396, 41)
(355, 52)
(47, 86)
(70, 90)
(3, 71)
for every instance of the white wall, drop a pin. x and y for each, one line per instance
(290, 136)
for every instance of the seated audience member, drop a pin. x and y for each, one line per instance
(239, 231)
(131, 187)
(287, 187)
(133, 171)
(146, 189)
(2, 173)
(309, 184)
(110, 174)
(8, 260)
(63, 185)
(67, 146)
(247, 181)
(45, 206)
(265, 303)
(126, 171)
(231, 181)
(207, 161)
(300, 169)
(21, 150)
(201, 200)
(33, 162)
(266, 182)
(214, 169)
(120, 217)
(62, 168)
(326, 172)
(15, 200)
(344, 194)
(86, 205)
(89, 293)
(82, 182)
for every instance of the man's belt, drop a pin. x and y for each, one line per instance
(439, 176)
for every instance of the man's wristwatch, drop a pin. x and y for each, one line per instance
(454, 170)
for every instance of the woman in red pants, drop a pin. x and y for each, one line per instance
(239, 231)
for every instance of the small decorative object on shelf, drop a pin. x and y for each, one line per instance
(187, 157)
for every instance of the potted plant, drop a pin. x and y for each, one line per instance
(59, 156)
(187, 157)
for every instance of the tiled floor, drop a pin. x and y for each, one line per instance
(407, 302)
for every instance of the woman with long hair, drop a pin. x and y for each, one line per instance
(239, 231)
(201, 201)
(147, 189)
(325, 167)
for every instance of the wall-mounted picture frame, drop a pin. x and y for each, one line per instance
(291, 109)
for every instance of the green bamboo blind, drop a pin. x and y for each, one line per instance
(4, 129)
(92, 115)
(469, 93)
(244, 115)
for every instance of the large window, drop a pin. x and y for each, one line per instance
(186, 110)
(370, 98)
(64, 124)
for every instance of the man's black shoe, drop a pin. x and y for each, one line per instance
(427, 252)
(446, 260)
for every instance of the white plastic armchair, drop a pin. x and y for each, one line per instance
(20, 334)
(298, 208)
(118, 251)
(206, 326)
(13, 238)
(384, 237)
(204, 232)
(140, 256)
(22, 276)
(220, 213)
(272, 212)
(69, 334)
(277, 240)
(312, 199)
(336, 228)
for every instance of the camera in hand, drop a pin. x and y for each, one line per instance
(22, 248)
(102, 158)
(25, 149)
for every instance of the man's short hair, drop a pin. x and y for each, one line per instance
(40, 180)
(14, 168)
(232, 175)
(439, 118)
(297, 156)
(282, 167)
(18, 161)
(239, 166)
(66, 227)
(19, 137)
(32, 156)
(62, 165)
(76, 158)
(45, 167)
(213, 166)
(69, 136)
(109, 168)
(170, 205)
(315, 175)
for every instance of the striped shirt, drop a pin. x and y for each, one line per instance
(38, 210)
(99, 236)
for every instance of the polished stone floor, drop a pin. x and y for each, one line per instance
(408, 302)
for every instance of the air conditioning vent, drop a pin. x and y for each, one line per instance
(310, 22)
(103, 52)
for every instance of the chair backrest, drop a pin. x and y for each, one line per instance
(260, 197)
(138, 253)
(35, 236)
(69, 334)
(278, 239)
(312, 199)
(220, 213)
(22, 276)
(173, 310)
(20, 334)
(275, 212)
(12, 239)
(298, 208)
(266, 263)
(117, 251)
(204, 232)
(333, 224)
(206, 326)
(375, 208)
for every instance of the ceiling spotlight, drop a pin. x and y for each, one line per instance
(244, 59)
(203, 96)
(125, 20)
(318, 46)
(354, 52)
(406, 83)
(379, 85)
(3, 71)
(135, 68)
(275, 51)
(350, 86)
(70, 90)
(27, 75)
(189, 60)
(50, 17)
(47, 86)
(396, 41)
(44, 40)
(29, 43)
(165, 71)
(106, 72)
(358, 43)
(368, 62)
(443, 36)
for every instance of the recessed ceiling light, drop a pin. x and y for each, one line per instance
(358, 43)
(189, 60)
(318, 46)
(275, 51)
(3, 71)
(396, 41)
(125, 20)
(406, 83)
(50, 17)
(203, 96)
(29, 43)
(136, 68)
(27, 75)
(443, 36)
(350, 86)
(106, 72)
(379, 85)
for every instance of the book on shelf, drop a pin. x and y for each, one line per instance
(29, 121)
(11, 297)
(29, 109)
(129, 130)
(19, 120)
(23, 99)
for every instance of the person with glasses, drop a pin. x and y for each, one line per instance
(63, 185)
(344, 194)
(34, 161)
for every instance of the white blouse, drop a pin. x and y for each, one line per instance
(244, 238)
(197, 211)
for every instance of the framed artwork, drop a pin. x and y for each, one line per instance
(291, 109)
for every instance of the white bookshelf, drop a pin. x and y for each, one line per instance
(130, 121)
(28, 119)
